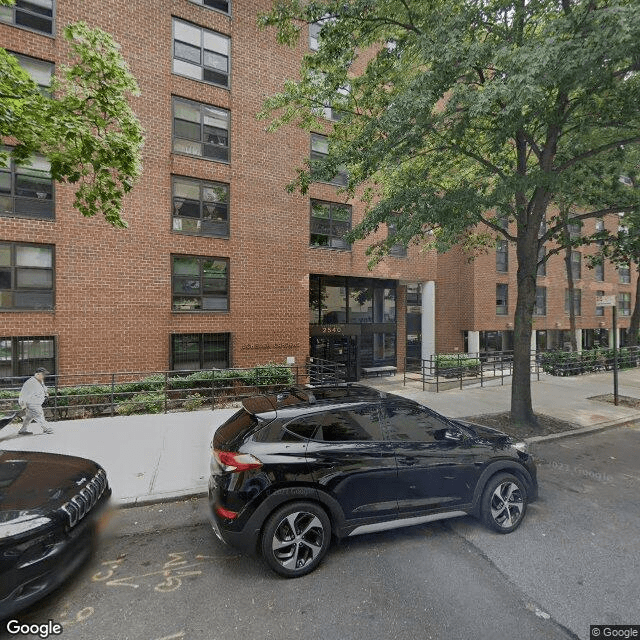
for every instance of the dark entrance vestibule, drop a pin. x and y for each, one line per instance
(352, 321)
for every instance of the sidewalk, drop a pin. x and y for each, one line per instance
(152, 458)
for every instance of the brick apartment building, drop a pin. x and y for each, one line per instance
(220, 266)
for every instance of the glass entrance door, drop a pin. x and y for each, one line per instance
(340, 349)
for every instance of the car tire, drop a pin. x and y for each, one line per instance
(295, 538)
(504, 503)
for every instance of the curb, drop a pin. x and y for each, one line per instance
(145, 501)
(602, 426)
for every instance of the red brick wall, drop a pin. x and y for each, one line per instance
(113, 287)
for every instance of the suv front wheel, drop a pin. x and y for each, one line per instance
(504, 503)
(296, 538)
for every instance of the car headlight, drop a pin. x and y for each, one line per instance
(522, 447)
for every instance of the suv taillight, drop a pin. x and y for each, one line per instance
(232, 461)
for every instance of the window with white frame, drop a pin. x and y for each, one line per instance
(200, 54)
(26, 276)
(31, 14)
(200, 130)
(200, 207)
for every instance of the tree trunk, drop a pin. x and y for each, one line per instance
(570, 289)
(521, 405)
(634, 323)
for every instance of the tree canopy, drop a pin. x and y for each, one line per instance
(83, 125)
(457, 114)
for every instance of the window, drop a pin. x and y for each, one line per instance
(22, 356)
(33, 14)
(624, 273)
(540, 308)
(502, 299)
(397, 250)
(542, 266)
(377, 349)
(361, 424)
(200, 130)
(200, 284)
(574, 229)
(576, 265)
(26, 276)
(314, 32)
(319, 151)
(502, 255)
(220, 5)
(41, 72)
(334, 111)
(409, 422)
(543, 228)
(200, 54)
(598, 272)
(26, 190)
(577, 301)
(624, 304)
(599, 309)
(194, 351)
(200, 208)
(330, 222)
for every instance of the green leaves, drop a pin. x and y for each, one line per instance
(87, 130)
(457, 108)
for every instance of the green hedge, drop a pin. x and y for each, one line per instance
(567, 363)
(186, 392)
(452, 365)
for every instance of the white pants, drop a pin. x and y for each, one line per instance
(32, 413)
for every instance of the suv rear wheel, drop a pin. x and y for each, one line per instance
(504, 503)
(296, 538)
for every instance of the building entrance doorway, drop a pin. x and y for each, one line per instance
(340, 349)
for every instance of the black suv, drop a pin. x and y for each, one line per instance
(287, 471)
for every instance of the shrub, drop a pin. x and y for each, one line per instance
(193, 402)
(141, 403)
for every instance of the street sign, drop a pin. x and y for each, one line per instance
(605, 301)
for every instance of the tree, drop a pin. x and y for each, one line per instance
(85, 127)
(457, 113)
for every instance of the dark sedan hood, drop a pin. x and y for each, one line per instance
(41, 482)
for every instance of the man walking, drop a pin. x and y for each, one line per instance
(32, 397)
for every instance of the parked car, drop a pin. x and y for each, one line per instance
(289, 471)
(48, 509)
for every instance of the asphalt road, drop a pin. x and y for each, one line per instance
(160, 574)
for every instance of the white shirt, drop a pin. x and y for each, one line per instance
(33, 392)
